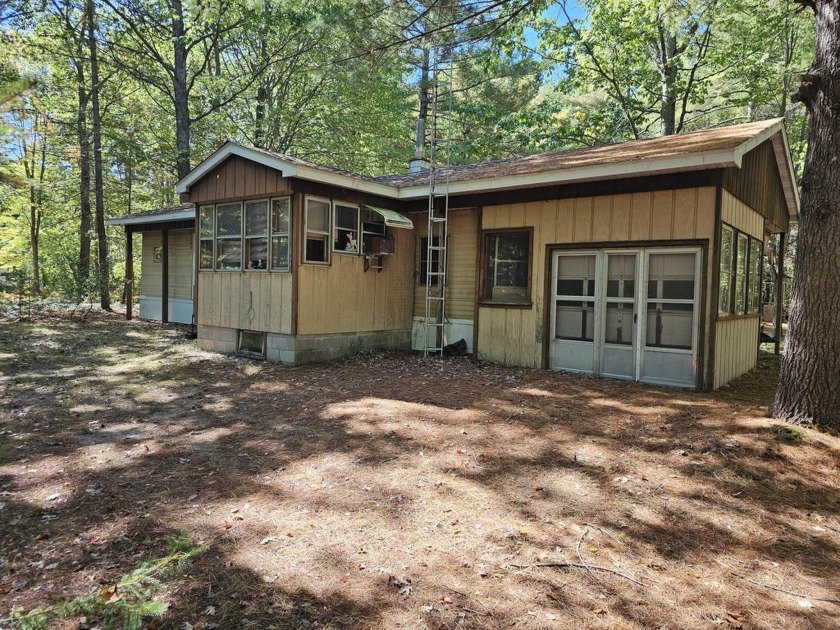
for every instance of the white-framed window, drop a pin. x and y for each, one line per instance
(345, 228)
(229, 237)
(317, 230)
(256, 234)
(281, 216)
(575, 292)
(206, 232)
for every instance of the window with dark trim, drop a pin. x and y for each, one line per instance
(739, 280)
(506, 266)
(256, 234)
(206, 230)
(423, 266)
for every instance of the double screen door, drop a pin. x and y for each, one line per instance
(629, 313)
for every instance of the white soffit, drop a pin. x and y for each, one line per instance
(179, 215)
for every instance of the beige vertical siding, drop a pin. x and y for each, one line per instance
(462, 252)
(516, 335)
(736, 339)
(181, 264)
(246, 300)
(740, 216)
(736, 348)
(151, 278)
(343, 297)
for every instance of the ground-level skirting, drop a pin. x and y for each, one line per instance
(300, 349)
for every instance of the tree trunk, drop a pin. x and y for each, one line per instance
(102, 241)
(180, 90)
(668, 73)
(84, 175)
(808, 383)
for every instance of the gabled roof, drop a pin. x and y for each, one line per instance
(723, 147)
(159, 215)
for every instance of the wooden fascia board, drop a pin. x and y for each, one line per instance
(181, 215)
(619, 170)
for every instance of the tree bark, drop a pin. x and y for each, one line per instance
(668, 74)
(102, 241)
(180, 90)
(808, 383)
(84, 174)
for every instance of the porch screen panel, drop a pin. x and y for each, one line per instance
(670, 301)
(575, 305)
(621, 293)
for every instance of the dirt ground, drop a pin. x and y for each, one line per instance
(392, 491)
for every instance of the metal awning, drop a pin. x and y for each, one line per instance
(393, 219)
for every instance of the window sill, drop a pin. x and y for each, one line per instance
(522, 305)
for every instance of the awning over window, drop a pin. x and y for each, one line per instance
(393, 219)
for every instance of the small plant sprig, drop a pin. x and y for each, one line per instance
(125, 604)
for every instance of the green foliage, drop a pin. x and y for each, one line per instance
(127, 603)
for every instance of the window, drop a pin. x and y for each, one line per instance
(741, 275)
(575, 307)
(373, 231)
(281, 211)
(229, 237)
(252, 343)
(256, 234)
(346, 231)
(724, 295)
(755, 276)
(424, 261)
(206, 215)
(317, 249)
(507, 257)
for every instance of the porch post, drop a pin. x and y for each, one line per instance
(780, 292)
(164, 292)
(129, 272)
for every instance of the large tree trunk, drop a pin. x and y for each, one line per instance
(102, 241)
(84, 175)
(809, 383)
(180, 90)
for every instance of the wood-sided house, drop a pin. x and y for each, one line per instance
(639, 260)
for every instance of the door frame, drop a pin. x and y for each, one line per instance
(642, 249)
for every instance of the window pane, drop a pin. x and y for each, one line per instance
(619, 323)
(755, 275)
(256, 218)
(621, 270)
(317, 215)
(725, 250)
(256, 253)
(576, 275)
(669, 325)
(280, 212)
(205, 221)
(575, 320)
(507, 267)
(316, 248)
(725, 293)
(228, 220)
(251, 342)
(228, 254)
(280, 253)
(741, 275)
(206, 254)
(346, 217)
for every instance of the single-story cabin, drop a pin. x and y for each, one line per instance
(640, 260)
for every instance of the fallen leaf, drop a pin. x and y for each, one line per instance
(227, 525)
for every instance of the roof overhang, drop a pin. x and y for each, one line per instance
(704, 160)
(287, 168)
(178, 215)
(392, 219)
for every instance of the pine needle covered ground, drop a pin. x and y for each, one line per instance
(389, 491)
